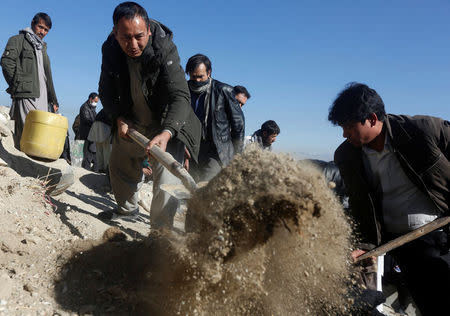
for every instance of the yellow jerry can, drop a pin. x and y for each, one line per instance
(44, 134)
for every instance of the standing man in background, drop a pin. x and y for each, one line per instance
(87, 118)
(241, 94)
(26, 68)
(100, 134)
(143, 86)
(223, 124)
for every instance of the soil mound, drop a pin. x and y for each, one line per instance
(266, 237)
(276, 237)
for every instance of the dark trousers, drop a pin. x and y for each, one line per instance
(89, 156)
(208, 164)
(66, 151)
(425, 264)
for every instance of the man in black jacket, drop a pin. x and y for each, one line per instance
(143, 85)
(223, 125)
(87, 118)
(241, 94)
(397, 173)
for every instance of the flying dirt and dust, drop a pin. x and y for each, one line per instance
(266, 236)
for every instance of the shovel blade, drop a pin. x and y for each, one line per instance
(179, 191)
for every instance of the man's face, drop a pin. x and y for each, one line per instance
(241, 98)
(40, 29)
(199, 74)
(358, 133)
(93, 100)
(269, 139)
(132, 35)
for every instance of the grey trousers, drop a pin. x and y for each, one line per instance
(126, 176)
(103, 153)
(89, 156)
(205, 170)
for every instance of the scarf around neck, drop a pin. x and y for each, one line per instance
(33, 38)
(199, 90)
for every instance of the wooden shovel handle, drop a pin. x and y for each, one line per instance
(399, 241)
(165, 159)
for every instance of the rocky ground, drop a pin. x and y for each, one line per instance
(36, 230)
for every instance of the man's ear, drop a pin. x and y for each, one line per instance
(149, 32)
(264, 134)
(373, 119)
(114, 30)
(209, 74)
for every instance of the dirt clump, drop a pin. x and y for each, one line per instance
(113, 234)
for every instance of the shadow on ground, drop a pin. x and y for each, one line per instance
(103, 204)
(97, 182)
(113, 278)
(57, 175)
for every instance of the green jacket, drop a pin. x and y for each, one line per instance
(20, 69)
(165, 87)
(422, 145)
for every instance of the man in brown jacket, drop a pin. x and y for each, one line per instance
(397, 173)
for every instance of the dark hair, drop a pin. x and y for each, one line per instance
(241, 89)
(271, 127)
(43, 16)
(196, 61)
(129, 10)
(355, 104)
(93, 95)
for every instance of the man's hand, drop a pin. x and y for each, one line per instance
(187, 156)
(122, 128)
(358, 252)
(147, 171)
(160, 140)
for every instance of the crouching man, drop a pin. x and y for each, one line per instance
(397, 173)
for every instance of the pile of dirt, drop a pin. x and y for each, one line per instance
(31, 237)
(273, 231)
(266, 237)
(40, 234)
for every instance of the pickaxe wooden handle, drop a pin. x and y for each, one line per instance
(399, 241)
(165, 159)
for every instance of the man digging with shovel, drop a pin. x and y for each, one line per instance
(142, 85)
(397, 173)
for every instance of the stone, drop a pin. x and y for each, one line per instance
(57, 175)
(3, 163)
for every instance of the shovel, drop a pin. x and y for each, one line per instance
(170, 163)
(397, 242)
